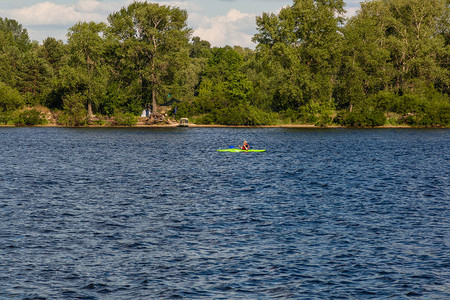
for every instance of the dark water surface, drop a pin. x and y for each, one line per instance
(158, 213)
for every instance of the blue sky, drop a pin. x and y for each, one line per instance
(221, 22)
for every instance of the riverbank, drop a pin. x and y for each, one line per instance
(39, 116)
(175, 125)
(47, 118)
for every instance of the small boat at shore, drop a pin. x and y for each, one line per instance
(184, 122)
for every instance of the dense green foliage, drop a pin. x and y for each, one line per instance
(387, 65)
(10, 98)
(126, 119)
(31, 117)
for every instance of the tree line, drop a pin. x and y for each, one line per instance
(387, 65)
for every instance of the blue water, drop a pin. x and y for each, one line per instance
(158, 213)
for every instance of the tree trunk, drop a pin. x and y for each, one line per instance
(153, 78)
(90, 114)
(154, 108)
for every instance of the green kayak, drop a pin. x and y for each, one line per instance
(240, 150)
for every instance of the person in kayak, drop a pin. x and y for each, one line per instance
(246, 146)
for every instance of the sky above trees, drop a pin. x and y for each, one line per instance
(221, 22)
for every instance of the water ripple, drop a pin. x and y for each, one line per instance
(145, 213)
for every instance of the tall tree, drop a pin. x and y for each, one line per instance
(153, 42)
(21, 66)
(87, 46)
(415, 42)
(14, 42)
(35, 75)
(397, 44)
(223, 83)
(55, 52)
(301, 49)
(366, 60)
(190, 76)
(394, 60)
(14, 32)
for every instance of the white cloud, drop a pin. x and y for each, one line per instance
(351, 11)
(353, 2)
(187, 5)
(48, 13)
(352, 6)
(235, 28)
(87, 5)
(206, 17)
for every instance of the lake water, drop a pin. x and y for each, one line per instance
(139, 213)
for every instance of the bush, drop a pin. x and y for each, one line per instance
(10, 98)
(184, 109)
(410, 103)
(100, 122)
(31, 117)
(239, 115)
(392, 120)
(432, 110)
(369, 118)
(205, 119)
(442, 115)
(375, 118)
(125, 119)
(317, 113)
(7, 118)
(427, 107)
(324, 120)
(290, 115)
(67, 119)
(120, 99)
(384, 101)
(75, 114)
(194, 108)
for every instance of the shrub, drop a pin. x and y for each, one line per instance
(31, 117)
(125, 119)
(10, 98)
(290, 115)
(317, 113)
(324, 120)
(74, 112)
(383, 101)
(7, 118)
(375, 118)
(205, 119)
(361, 118)
(66, 119)
(195, 107)
(434, 110)
(100, 122)
(392, 121)
(239, 115)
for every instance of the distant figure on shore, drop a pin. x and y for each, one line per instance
(246, 146)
